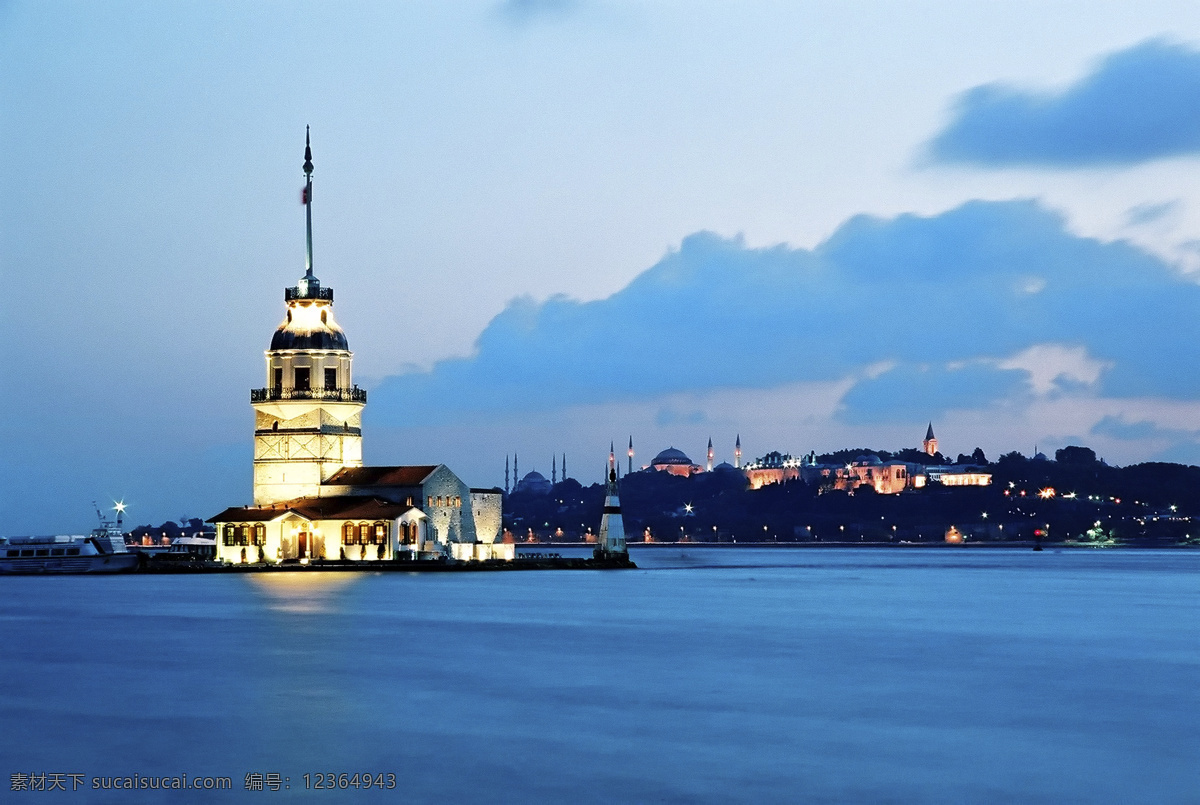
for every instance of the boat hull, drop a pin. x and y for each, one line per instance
(43, 565)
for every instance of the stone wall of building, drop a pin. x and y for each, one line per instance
(487, 507)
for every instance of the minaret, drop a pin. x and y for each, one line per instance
(737, 452)
(506, 473)
(710, 455)
(308, 419)
(930, 443)
(553, 469)
(516, 473)
(631, 454)
(564, 466)
(611, 542)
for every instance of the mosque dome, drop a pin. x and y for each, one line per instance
(725, 466)
(534, 482)
(868, 460)
(671, 456)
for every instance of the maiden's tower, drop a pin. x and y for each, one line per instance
(313, 498)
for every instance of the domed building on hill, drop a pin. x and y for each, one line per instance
(675, 462)
(534, 483)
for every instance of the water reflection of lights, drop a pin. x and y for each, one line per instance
(301, 593)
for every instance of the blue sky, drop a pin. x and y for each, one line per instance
(551, 223)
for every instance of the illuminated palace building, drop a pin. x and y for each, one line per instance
(313, 498)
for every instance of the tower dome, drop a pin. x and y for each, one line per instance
(309, 323)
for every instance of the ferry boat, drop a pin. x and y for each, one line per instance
(102, 551)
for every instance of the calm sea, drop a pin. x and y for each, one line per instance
(718, 675)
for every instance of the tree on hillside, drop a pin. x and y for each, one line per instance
(1073, 454)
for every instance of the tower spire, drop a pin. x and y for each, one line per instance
(630, 453)
(737, 452)
(308, 169)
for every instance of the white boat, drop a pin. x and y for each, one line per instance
(102, 551)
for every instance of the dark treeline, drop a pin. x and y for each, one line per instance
(1075, 497)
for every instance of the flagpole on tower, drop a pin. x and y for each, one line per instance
(308, 168)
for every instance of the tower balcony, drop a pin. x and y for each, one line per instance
(311, 290)
(351, 395)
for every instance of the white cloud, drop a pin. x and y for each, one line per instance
(1049, 365)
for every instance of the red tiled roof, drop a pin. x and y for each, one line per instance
(342, 507)
(381, 476)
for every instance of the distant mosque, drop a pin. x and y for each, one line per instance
(676, 462)
(533, 483)
(313, 498)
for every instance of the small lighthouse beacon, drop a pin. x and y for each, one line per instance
(611, 544)
(308, 419)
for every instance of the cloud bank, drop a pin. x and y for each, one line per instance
(1138, 104)
(992, 303)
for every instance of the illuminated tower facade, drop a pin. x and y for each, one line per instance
(737, 452)
(930, 443)
(611, 541)
(308, 418)
(708, 467)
